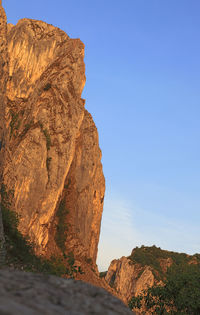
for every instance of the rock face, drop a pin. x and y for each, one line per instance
(25, 293)
(52, 155)
(3, 80)
(145, 267)
(129, 279)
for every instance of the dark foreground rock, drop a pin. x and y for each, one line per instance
(23, 293)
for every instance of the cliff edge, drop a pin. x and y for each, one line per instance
(144, 268)
(49, 152)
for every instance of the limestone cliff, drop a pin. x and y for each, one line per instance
(3, 80)
(52, 161)
(129, 279)
(145, 267)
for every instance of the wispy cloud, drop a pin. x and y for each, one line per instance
(117, 233)
(125, 225)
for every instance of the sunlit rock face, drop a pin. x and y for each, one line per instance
(129, 279)
(51, 139)
(85, 192)
(3, 81)
(145, 267)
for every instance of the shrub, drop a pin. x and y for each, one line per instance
(62, 226)
(47, 86)
(48, 160)
(150, 256)
(20, 251)
(72, 269)
(103, 274)
(48, 139)
(180, 293)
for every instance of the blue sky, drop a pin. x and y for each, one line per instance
(143, 76)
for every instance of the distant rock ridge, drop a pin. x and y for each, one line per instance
(145, 267)
(49, 151)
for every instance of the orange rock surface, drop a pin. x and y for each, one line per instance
(51, 152)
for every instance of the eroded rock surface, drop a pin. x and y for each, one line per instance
(129, 279)
(3, 102)
(26, 293)
(52, 153)
(145, 267)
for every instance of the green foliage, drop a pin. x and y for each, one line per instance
(47, 86)
(197, 256)
(88, 260)
(103, 274)
(135, 302)
(20, 251)
(67, 185)
(62, 226)
(48, 160)
(15, 122)
(112, 280)
(48, 139)
(26, 128)
(72, 269)
(180, 293)
(46, 134)
(150, 256)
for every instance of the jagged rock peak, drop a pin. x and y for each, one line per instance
(52, 164)
(145, 267)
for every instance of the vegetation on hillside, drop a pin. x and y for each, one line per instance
(180, 293)
(151, 256)
(62, 226)
(20, 251)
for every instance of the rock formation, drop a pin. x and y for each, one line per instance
(52, 161)
(129, 279)
(26, 293)
(3, 80)
(145, 267)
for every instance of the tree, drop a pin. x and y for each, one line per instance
(180, 293)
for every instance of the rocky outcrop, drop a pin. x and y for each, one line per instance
(26, 293)
(3, 80)
(129, 279)
(83, 195)
(144, 268)
(52, 156)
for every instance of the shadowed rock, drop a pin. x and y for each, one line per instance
(30, 294)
